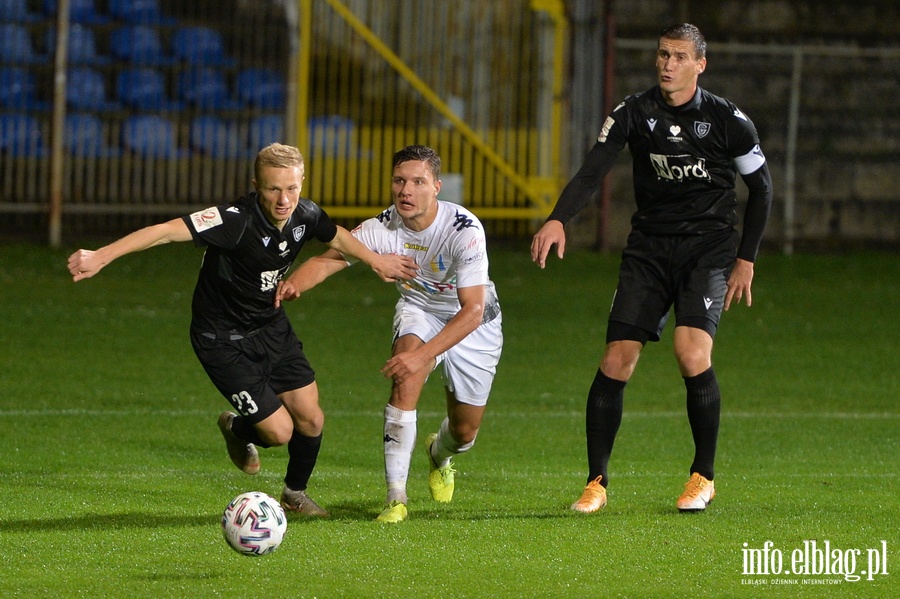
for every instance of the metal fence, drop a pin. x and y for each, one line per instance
(129, 111)
(156, 108)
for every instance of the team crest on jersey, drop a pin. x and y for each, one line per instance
(701, 128)
(298, 232)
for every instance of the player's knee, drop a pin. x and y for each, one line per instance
(619, 365)
(692, 360)
(277, 435)
(464, 434)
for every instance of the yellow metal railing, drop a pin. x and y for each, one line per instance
(509, 171)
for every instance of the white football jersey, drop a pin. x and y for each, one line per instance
(451, 253)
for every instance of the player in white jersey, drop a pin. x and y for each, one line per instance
(447, 314)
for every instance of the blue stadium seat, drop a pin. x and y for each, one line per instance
(150, 135)
(20, 136)
(138, 44)
(18, 90)
(85, 138)
(139, 11)
(200, 46)
(261, 88)
(265, 130)
(82, 45)
(144, 89)
(17, 11)
(80, 11)
(331, 136)
(16, 46)
(205, 88)
(217, 138)
(86, 90)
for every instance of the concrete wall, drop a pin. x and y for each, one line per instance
(848, 146)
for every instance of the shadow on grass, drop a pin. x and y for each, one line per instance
(105, 522)
(367, 511)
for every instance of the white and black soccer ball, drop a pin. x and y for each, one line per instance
(254, 524)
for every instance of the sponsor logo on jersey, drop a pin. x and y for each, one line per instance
(701, 128)
(234, 209)
(298, 232)
(652, 124)
(206, 219)
(679, 168)
(740, 114)
(266, 241)
(604, 132)
(707, 302)
(462, 222)
(674, 130)
(269, 279)
(283, 248)
(415, 247)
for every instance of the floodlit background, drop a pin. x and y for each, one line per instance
(153, 108)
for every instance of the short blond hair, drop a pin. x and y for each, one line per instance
(278, 156)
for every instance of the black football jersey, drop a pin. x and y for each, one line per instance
(246, 256)
(684, 162)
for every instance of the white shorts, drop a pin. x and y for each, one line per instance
(470, 365)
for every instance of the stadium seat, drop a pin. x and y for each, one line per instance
(82, 45)
(200, 46)
(17, 11)
(16, 46)
(205, 88)
(18, 90)
(261, 88)
(265, 130)
(145, 12)
(331, 136)
(84, 137)
(151, 136)
(80, 11)
(143, 89)
(86, 90)
(138, 44)
(214, 137)
(20, 136)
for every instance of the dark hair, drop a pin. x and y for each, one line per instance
(689, 33)
(420, 153)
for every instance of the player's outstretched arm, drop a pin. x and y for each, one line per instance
(84, 264)
(308, 275)
(390, 267)
(552, 233)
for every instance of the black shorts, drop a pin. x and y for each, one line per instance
(252, 371)
(689, 272)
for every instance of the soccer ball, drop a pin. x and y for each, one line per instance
(254, 524)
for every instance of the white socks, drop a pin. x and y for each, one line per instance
(399, 442)
(445, 446)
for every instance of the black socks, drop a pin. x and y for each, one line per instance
(704, 403)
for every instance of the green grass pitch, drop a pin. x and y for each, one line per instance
(114, 475)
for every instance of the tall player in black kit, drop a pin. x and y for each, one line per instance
(687, 147)
(244, 342)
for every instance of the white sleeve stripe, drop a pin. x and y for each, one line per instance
(751, 161)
